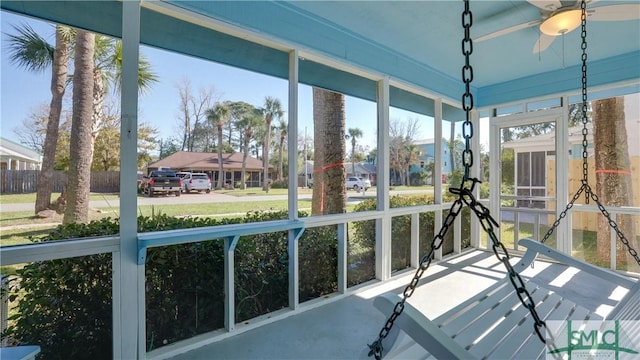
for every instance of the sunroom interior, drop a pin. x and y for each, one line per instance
(395, 56)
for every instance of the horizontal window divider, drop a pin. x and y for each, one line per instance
(528, 210)
(409, 210)
(334, 219)
(185, 236)
(54, 250)
(622, 210)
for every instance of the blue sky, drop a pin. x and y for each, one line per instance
(23, 91)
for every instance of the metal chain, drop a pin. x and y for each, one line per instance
(488, 222)
(562, 215)
(585, 131)
(614, 225)
(467, 98)
(589, 193)
(465, 197)
(376, 347)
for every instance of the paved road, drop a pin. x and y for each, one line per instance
(199, 198)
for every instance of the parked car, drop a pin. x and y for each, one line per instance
(196, 181)
(357, 184)
(161, 181)
(367, 183)
(181, 175)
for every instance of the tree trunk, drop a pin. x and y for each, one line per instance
(58, 83)
(220, 168)
(281, 158)
(329, 124)
(245, 153)
(613, 174)
(353, 156)
(98, 108)
(79, 176)
(265, 154)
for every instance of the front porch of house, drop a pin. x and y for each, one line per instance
(341, 326)
(143, 282)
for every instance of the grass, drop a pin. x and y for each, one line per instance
(31, 197)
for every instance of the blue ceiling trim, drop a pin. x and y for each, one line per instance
(74, 13)
(409, 101)
(169, 33)
(605, 94)
(619, 69)
(310, 32)
(319, 75)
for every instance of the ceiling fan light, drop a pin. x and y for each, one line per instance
(561, 23)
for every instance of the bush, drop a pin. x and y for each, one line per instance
(65, 306)
(279, 184)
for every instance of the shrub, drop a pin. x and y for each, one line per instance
(65, 306)
(280, 184)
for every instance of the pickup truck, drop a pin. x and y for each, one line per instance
(161, 181)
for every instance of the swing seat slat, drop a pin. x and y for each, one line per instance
(494, 324)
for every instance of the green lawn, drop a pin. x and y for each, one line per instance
(31, 197)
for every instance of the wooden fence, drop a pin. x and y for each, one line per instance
(26, 181)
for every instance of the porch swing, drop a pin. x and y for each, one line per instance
(490, 325)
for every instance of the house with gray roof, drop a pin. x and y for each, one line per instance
(14, 156)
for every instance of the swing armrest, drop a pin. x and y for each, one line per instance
(535, 247)
(421, 329)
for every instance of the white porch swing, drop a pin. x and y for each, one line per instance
(491, 324)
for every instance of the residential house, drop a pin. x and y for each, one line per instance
(14, 156)
(203, 162)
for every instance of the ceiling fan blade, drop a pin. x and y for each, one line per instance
(543, 42)
(508, 30)
(548, 5)
(620, 12)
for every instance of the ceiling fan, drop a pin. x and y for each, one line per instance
(561, 17)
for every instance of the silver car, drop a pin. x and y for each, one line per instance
(196, 181)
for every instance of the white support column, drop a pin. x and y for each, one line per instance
(457, 234)
(475, 172)
(415, 240)
(342, 258)
(292, 148)
(563, 232)
(292, 145)
(229, 285)
(495, 171)
(437, 186)
(383, 226)
(128, 295)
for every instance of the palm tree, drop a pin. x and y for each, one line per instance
(79, 175)
(411, 155)
(354, 135)
(108, 71)
(219, 116)
(614, 187)
(329, 191)
(282, 129)
(248, 120)
(272, 110)
(29, 50)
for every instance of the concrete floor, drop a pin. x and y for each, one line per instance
(342, 328)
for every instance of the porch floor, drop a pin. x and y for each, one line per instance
(342, 328)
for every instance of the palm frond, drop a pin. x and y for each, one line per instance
(29, 50)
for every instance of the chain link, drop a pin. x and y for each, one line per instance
(465, 197)
(585, 131)
(467, 98)
(376, 348)
(614, 225)
(589, 193)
